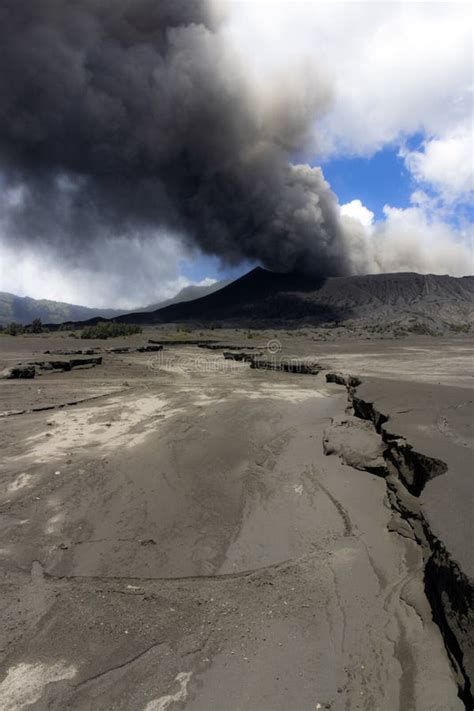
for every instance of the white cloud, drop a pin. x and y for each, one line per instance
(395, 69)
(207, 281)
(358, 211)
(445, 164)
(414, 239)
(121, 274)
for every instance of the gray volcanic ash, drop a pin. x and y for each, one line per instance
(120, 119)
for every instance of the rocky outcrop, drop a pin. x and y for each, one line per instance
(85, 362)
(350, 381)
(448, 589)
(201, 343)
(18, 371)
(242, 356)
(141, 349)
(62, 365)
(287, 365)
(88, 351)
(65, 365)
(149, 349)
(222, 346)
(356, 442)
(212, 346)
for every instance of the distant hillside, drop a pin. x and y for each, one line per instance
(429, 302)
(188, 293)
(23, 309)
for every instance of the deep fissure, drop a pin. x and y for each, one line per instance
(447, 589)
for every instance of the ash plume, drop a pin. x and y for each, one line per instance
(124, 118)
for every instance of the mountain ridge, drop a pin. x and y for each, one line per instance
(24, 309)
(263, 296)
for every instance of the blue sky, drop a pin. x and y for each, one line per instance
(376, 181)
(204, 266)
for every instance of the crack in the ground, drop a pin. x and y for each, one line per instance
(447, 589)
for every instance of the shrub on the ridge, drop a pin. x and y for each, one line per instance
(109, 329)
(36, 326)
(13, 329)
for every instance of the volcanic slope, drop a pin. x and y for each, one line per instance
(263, 296)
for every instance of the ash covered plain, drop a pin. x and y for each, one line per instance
(280, 522)
(185, 531)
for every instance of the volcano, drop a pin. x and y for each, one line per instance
(262, 297)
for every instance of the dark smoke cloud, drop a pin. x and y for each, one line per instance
(122, 117)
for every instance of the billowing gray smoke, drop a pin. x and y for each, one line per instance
(122, 117)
